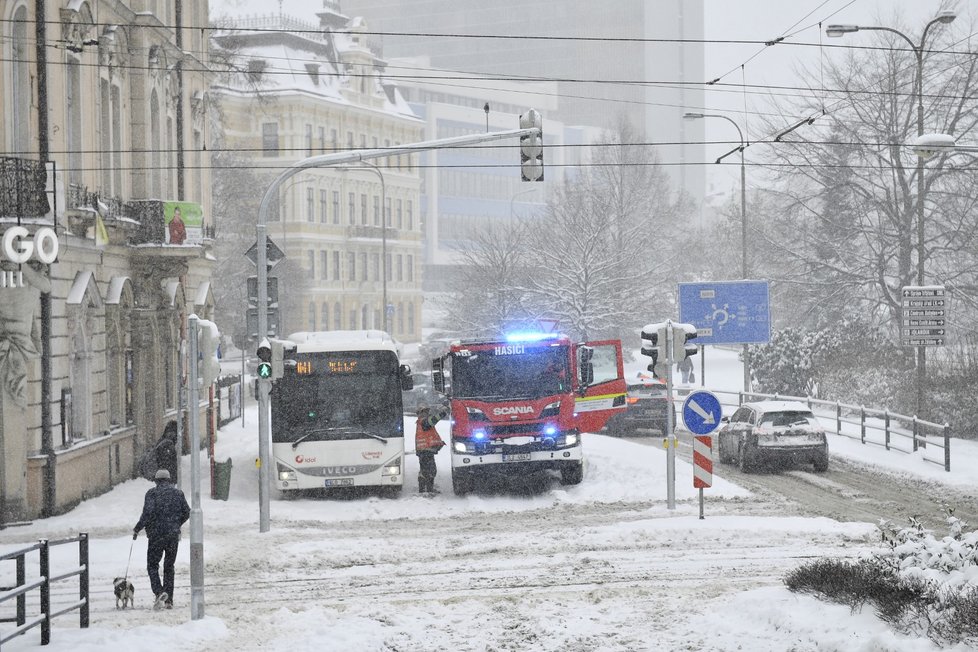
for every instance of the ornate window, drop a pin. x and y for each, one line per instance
(85, 336)
(20, 82)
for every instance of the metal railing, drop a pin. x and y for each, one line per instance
(891, 430)
(43, 583)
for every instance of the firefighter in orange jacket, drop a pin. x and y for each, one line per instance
(427, 442)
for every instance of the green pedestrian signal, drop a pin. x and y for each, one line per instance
(264, 370)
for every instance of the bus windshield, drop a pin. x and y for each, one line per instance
(510, 372)
(338, 396)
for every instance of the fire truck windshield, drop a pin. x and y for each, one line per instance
(509, 371)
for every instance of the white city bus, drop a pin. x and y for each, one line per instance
(337, 417)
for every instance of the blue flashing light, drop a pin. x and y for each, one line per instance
(479, 434)
(530, 337)
(550, 430)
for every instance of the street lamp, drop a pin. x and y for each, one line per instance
(743, 213)
(943, 18)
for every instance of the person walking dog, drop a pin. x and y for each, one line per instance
(165, 510)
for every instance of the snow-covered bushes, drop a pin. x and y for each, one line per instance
(916, 582)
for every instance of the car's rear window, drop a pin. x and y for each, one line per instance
(788, 418)
(647, 391)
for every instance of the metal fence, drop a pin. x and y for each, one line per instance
(22, 587)
(891, 430)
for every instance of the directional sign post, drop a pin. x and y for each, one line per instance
(924, 320)
(701, 414)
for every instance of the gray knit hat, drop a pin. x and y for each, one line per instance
(162, 474)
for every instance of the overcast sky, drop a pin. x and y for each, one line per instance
(749, 20)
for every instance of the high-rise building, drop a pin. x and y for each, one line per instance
(633, 58)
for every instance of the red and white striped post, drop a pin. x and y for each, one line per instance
(702, 465)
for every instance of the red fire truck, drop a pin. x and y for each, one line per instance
(520, 404)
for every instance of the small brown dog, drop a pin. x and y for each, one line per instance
(124, 592)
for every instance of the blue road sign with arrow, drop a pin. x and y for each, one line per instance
(702, 412)
(727, 312)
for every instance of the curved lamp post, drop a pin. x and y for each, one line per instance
(942, 18)
(743, 214)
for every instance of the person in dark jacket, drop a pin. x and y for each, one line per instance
(427, 443)
(166, 450)
(165, 510)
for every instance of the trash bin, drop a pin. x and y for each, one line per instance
(222, 480)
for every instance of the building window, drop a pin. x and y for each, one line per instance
(351, 260)
(323, 206)
(400, 267)
(19, 86)
(308, 140)
(363, 266)
(310, 205)
(311, 256)
(156, 142)
(352, 207)
(338, 315)
(353, 320)
(73, 126)
(400, 215)
(322, 149)
(334, 139)
(336, 270)
(410, 316)
(410, 215)
(387, 213)
(400, 317)
(325, 318)
(336, 207)
(376, 210)
(363, 208)
(269, 139)
(410, 268)
(324, 265)
(364, 317)
(389, 270)
(375, 263)
(312, 316)
(349, 140)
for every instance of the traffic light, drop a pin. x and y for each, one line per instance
(681, 334)
(278, 363)
(208, 339)
(654, 346)
(531, 147)
(265, 360)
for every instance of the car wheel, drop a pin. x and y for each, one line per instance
(725, 457)
(821, 463)
(572, 474)
(745, 458)
(461, 484)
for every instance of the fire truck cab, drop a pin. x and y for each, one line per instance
(520, 404)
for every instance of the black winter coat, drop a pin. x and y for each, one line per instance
(165, 509)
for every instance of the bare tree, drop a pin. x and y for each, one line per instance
(849, 190)
(594, 260)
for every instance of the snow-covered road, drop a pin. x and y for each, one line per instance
(599, 566)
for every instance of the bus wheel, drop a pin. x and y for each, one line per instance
(461, 484)
(572, 474)
(392, 491)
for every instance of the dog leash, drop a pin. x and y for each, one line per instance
(126, 576)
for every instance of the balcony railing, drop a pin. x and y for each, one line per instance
(23, 188)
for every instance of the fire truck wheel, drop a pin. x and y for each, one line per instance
(461, 484)
(572, 474)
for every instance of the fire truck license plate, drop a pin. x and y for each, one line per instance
(341, 482)
(516, 457)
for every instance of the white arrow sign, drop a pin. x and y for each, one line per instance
(698, 409)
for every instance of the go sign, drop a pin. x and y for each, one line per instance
(18, 246)
(264, 369)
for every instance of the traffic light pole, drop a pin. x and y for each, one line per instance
(312, 162)
(670, 434)
(196, 515)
